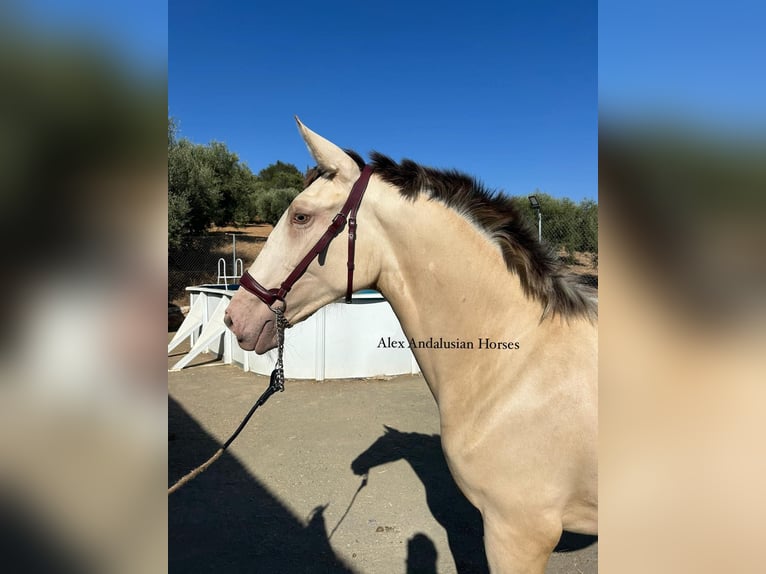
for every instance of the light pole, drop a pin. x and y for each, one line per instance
(233, 252)
(536, 206)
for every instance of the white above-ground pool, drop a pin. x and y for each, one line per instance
(339, 341)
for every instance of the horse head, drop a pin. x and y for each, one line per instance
(389, 447)
(299, 229)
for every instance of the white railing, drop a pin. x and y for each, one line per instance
(223, 278)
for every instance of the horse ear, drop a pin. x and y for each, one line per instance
(328, 156)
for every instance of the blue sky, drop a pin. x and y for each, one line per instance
(506, 91)
(687, 61)
(136, 30)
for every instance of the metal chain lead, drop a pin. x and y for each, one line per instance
(278, 376)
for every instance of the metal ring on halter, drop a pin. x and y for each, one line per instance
(280, 313)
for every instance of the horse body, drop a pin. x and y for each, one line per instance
(516, 385)
(518, 426)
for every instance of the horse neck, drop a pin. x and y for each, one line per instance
(446, 279)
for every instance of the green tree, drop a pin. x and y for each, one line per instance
(172, 132)
(232, 180)
(588, 224)
(192, 177)
(272, 203)
(565, 224)
(207, 184)
(178, 202)
(277, 186)
(178, 213)
(281, 175)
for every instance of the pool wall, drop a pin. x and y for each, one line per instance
(339, 341)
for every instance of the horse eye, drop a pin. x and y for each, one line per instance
(300, 218)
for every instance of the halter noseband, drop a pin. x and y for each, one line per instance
(347, 213)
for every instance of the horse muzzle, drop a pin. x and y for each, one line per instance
(253, 324)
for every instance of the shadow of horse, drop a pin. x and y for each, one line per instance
(459, 518)
(227, 521)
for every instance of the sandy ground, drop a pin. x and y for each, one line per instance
(289, 495)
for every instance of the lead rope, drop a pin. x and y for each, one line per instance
(276, 383)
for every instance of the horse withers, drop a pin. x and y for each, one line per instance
(506, 340)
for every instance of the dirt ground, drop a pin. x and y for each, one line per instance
(289, 494)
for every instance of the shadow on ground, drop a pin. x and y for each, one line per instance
(227, 521)
(421, 555)
(459, 518)
(175, 317)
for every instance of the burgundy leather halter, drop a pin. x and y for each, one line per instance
(346, 214)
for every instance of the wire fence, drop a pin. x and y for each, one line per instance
(581, 262)
(197, 261)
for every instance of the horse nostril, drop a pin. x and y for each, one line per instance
(227, 320)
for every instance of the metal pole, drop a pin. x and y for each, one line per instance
(233, 255)
(539, 226)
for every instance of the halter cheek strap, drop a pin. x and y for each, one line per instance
(347, 214)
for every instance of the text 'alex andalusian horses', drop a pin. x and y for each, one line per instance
(519, 420)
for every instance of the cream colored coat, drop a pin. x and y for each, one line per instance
(518, 426)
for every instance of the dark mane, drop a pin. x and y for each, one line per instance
(542, 275)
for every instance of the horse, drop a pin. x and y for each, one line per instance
(506, 339)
